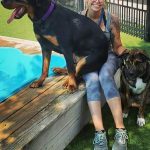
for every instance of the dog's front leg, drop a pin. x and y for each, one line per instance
(124, 92)
(70, 82)
(140, 117)
(126, 104)
(80, 65)
(45, 67)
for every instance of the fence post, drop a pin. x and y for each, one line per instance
(80, 5)
(147, 36)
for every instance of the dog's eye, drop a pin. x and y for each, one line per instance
(128, 63)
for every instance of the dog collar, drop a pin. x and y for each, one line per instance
(50, 10)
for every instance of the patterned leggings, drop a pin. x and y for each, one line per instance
(102, 82)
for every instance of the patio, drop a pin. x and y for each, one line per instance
(42, 118)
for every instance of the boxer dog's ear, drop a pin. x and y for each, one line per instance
(142, 57)
(124, 54)
(145, 57)
(123, 57)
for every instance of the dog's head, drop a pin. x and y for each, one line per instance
(135, 64)
(34, 8)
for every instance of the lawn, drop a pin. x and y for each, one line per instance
(19, 28)
(23, 29)
(138, 137)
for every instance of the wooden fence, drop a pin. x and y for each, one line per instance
(134, 16)
(76, 5)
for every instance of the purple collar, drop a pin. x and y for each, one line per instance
(50, 10)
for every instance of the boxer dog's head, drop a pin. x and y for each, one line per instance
(135, 64)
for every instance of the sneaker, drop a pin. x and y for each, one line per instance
(100, 141)
(121, 138)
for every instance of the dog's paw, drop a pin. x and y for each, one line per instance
(60, 71)
(71, 88)
(125, 115)
(140, 122)
(70, 85)
(36, 84)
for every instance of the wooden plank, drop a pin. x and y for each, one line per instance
(19, 100)
(58, 135)
(45, 119)
(23, 115)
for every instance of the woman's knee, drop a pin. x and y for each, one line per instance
(91, 79)
(92, 86)
(108, 85)
(105, 76)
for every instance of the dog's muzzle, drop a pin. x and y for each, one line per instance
(7, 4)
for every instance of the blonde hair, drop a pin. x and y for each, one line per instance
(85, 4)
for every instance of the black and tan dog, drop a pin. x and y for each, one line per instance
(135, 82)
(64, 31)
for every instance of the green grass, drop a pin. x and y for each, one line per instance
(18, 28)
(134, 42)
(138, 137)
(23, 29)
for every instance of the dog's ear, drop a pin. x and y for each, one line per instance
(123, 57)
(146, 57)
(140, 55)
(124, 54)
(143, 57)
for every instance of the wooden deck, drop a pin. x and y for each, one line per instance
(43, 118)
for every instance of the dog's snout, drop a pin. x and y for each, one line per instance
(6, 4)
(3, 1)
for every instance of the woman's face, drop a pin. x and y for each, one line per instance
(95, 5)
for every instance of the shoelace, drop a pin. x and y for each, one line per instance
(121, 136)
(99, 139)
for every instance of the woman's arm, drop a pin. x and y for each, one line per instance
(116, 40)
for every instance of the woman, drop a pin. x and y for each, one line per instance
(103, 80)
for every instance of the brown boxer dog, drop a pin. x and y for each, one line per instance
(135, 82)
